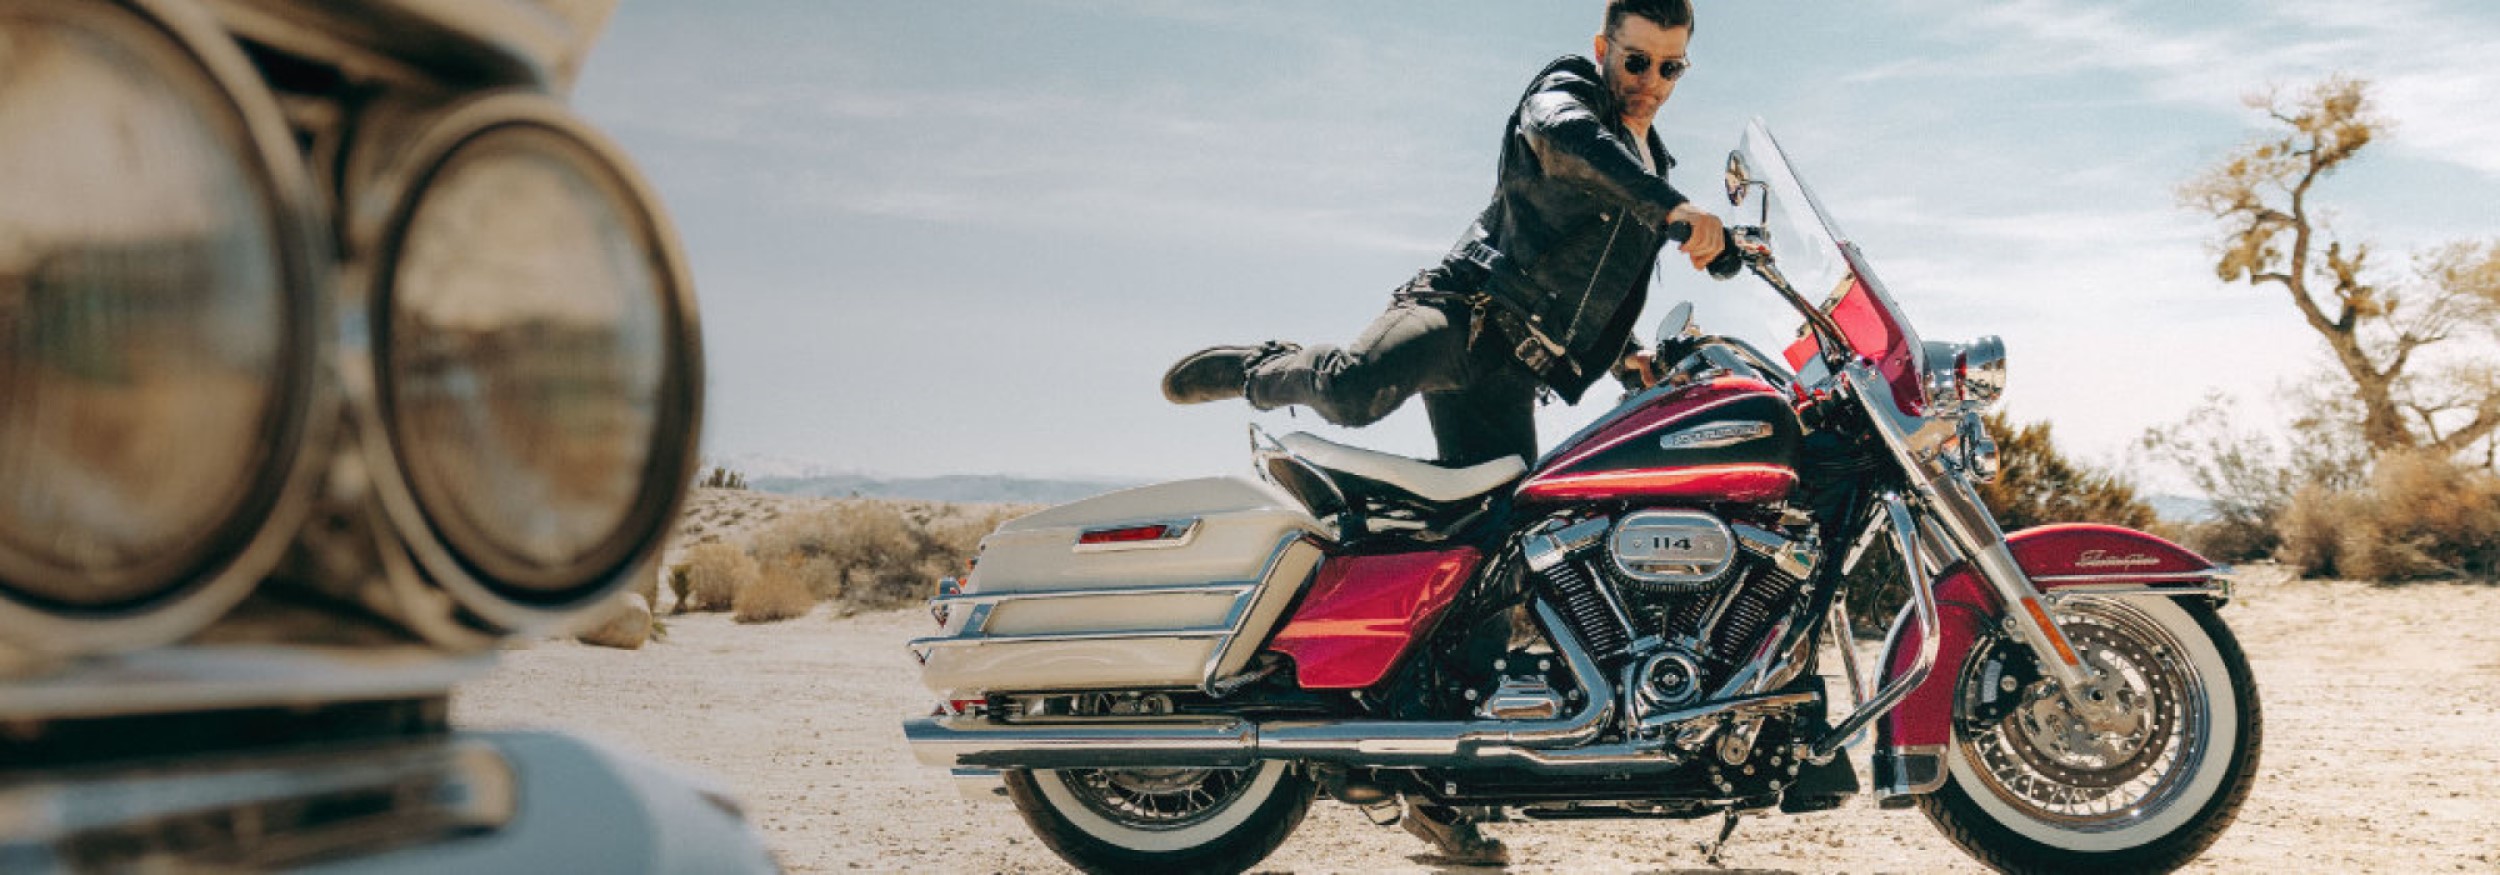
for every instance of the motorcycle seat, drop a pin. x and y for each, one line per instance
(1424, 480)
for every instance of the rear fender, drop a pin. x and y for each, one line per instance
(1912, 741)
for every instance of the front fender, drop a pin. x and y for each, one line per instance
(1912, 741)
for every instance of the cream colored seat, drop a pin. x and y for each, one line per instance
(1423, 479)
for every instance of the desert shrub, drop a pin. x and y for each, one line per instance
(680, 582)
(2419, 515)
(2251, 476)
(714, 575)
(779, 594)
(721, 477)
(2036, 486)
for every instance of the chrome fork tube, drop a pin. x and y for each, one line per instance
(1966, 522)
(1923, 601)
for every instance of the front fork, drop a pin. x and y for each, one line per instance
(1942, 518)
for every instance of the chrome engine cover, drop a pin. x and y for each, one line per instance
(1677, 550)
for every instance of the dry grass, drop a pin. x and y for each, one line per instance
(714, 575)
(780, 594)
(2419, 516)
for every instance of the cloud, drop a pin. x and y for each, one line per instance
(2431, 60)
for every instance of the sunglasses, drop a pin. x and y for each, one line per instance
(1669, 69)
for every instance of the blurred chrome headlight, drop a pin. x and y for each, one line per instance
(534, 362)
(1965, 376)
(162, 301)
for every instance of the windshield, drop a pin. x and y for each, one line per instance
(1819, 260)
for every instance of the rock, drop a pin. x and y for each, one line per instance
(624, 627)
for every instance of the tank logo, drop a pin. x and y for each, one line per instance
(1715, 435)
(2103, 559)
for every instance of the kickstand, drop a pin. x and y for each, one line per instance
(1710, 849)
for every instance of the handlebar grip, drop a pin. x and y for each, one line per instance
(1678, 232)
(1729, 263)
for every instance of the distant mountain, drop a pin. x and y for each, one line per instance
(2181, 508)
(969, 488)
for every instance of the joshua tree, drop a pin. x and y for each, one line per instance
(2411, 387)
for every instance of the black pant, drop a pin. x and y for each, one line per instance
(1481, 400)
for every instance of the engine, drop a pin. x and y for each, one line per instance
(1676, 600)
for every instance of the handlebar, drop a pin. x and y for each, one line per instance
(1727, 265)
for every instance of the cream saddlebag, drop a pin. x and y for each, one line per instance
(1163, 587)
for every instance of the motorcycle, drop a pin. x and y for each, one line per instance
(1632, 627)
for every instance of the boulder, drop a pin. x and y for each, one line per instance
(626, 626)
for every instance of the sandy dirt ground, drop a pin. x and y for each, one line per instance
(2381, 750)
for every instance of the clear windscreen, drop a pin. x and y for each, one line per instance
(1820, 262)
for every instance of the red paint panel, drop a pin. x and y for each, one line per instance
(1365, 612)
(1741, 483)
(1875, 334)
(1966, 604)
(1657, 413)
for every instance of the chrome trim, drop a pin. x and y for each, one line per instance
(381, 206)
(272, 811)
(1891, 784)
(1734, 709)
(1229, 632)
(1715, 435)
(980, 785)
(1792, 559)
(275, 509)
(1248, 604)
(2072, 580)
(918, 644)
(169, 680)
(1846, 632)
(499, 42)
(958, 742)
(964, 598)
(2128, 589)
(1923, 602)
(1189, 526)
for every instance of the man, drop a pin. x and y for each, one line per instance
(1541, 291)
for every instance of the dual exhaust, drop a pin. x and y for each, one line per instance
(1559, 744)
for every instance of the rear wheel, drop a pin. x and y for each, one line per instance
(2036, 790)
(1162, 820)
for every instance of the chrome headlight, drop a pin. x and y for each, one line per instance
(534, 362)
(1965, 376)
(162, 291)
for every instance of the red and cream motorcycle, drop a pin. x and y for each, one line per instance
(1632, 627)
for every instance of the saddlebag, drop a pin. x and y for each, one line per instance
(1163, 587)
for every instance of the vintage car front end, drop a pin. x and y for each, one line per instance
(335, 350)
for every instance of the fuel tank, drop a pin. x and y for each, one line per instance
(1729, 439)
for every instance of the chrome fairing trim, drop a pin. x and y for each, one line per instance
(258, 812)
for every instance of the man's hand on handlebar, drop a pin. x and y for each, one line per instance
(1708, 236)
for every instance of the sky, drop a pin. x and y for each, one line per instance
(968, 237)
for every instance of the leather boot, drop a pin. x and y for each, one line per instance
(1457, 838)
(1217, 372)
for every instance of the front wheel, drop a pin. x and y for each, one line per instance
(1162, 820)
(2035, 790)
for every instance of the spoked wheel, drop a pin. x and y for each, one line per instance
(1162, 820)
(2037, 789)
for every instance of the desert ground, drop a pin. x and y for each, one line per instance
(2381, 752)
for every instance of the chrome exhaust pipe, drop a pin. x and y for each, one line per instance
(971, 742)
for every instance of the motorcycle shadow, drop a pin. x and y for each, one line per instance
(1438, 866)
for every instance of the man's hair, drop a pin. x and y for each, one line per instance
(1666, 13)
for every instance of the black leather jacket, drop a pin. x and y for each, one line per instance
(1559, 263)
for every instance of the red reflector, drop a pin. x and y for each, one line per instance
(1123, 536)
(965, 706)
